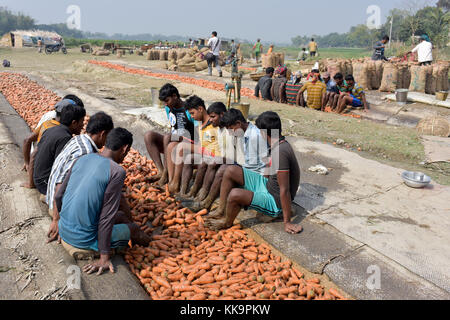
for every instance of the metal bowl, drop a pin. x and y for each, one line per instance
(415, 179)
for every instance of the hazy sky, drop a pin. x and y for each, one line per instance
(272, 20)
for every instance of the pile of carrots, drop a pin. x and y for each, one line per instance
(187, 260)
(198, 82)
(28, 98)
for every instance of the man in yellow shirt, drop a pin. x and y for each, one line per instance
(313, 48)
(316, 90)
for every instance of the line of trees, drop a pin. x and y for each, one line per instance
(10, 21)
(408, 22)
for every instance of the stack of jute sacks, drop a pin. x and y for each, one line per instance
(184, 60)
(272, 60)
(390, 76)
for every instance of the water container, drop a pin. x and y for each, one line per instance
(401, 95)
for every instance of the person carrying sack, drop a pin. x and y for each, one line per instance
(213, 56)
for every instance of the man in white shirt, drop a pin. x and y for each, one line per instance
(424, 51)
(214, 44)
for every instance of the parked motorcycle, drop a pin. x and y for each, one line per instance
(50, 48)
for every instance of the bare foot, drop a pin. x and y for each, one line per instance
(155, 178)
(183, 197)
(192, 193)
(202, 195)
(216, 225)
(196, 206)
(216, 214)
(27, 185)
(174, 187)
(164, 179)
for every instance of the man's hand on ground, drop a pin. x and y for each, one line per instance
(99, 266)
(292, 228)
(53, 232)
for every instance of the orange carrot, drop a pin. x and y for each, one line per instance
(336, 293)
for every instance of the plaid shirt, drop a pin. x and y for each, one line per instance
(77, 147)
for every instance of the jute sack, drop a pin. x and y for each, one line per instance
(334, 67)
(187, 60)
(172, 55)
(372, 75)
(181, 54)
(442, 76)
(186, 67)
(435, 78)
(164, 55)
(200, 66)
(390, 80)
(267, 61)
(348, 68)
(154, 55)
(404, 77)
(360, 74)
(379, 67)
(420, 77)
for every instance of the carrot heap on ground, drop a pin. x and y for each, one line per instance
(187, 261)
(198, 82)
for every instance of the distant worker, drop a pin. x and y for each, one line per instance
(214, 45)
(265, 85)
(303, 55)
(257, 49)
(233, 48)
(424, 51)
(313, 48)
(191, 43)
(270, 49)
(379, 47)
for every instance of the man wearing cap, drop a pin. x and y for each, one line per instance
(278, 91)
(332, 89)
(47, 121)
(53, 142)
(424, 51)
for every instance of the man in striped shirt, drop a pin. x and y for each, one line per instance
(100, 124)
(293, 88)
(316, 92)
